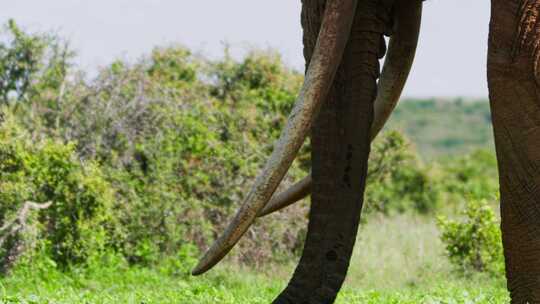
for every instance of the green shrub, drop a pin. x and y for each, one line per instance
(174, 67)
(179, 158)
(473, 175)
(474, 243)
(31, 65)
(75, 225)
(398, 182)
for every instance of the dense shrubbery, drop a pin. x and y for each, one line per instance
(398, 181)
(32, 65)
(473, 176)
(175, 143)
(76, 223)
(150, 159)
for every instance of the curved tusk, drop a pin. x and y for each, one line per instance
(397, 66)
(333, 37)
(398, 61)
(288, 197)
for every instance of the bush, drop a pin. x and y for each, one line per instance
(474, 242)
(32, 65)
(397, 180)
(75, 225)
(473, 175)
(178, 156)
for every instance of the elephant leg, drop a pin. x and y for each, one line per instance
(341, 146)
(513, 65)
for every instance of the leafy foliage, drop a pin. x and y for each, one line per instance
(397, 180)
(31, 65)
(177, 158)
(74, 226)
(473, 175)
(474, 242)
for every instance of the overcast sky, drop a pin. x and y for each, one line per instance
(450, 60)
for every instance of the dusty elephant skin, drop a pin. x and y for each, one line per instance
(342, 131)
(515, 103)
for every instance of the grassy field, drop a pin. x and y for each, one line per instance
(397, 260)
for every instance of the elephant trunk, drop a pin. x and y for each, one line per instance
(407, 16)
(341, 146)
(513, 65)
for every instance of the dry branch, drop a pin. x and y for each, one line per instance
(14, 231)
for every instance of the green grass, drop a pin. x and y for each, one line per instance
(397, 260)
(151, 286)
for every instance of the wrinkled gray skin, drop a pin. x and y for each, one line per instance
(341, 105)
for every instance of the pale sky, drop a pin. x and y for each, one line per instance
(450, 60)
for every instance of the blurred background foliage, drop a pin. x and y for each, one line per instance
(149, 159)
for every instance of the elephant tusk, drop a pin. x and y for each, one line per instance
(396, 69)
(331, 43)
(282, 200)
(288, 197)
(398, 61)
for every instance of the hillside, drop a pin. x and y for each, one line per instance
(439, 127)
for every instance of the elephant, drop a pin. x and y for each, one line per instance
(345, 101)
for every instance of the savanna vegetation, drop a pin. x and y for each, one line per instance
(111, 185)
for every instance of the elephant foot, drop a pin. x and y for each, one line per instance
(522, 252)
